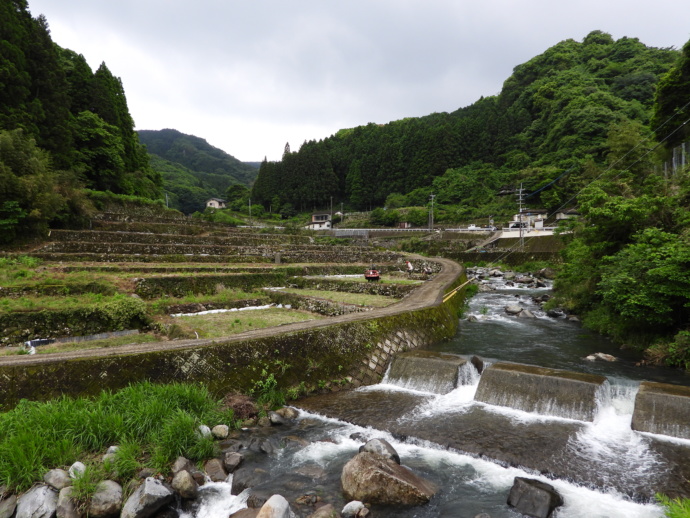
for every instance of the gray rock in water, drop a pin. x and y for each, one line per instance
(245, 478)
(326, 511)
(526, 313)
(478, 363)
(106, 501)
(76, 470)
(482, 515)
(276, 418)
(352, 508)
(513, 309)
(380, 481)
(183, 482)
(381, 447)
(276, 507)
(245, 513)
(555, 313)
(37, 502)
(288, 412)
(66, 506)
(148, 498)
(7, 506)
(57, 479)
(215, 470)
(533, 497)
(472, 318)
(232, 460)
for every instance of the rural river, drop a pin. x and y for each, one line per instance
(471, 450)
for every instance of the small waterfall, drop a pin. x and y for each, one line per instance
(425, 371)
(216, 501)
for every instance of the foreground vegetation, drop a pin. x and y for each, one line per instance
(152, 425)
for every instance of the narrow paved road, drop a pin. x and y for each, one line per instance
(428, 294)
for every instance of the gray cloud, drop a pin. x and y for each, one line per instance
(249, 76)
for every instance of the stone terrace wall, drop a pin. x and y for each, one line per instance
(328, 356)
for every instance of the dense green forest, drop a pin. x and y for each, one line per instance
(63, 127)
(552, 116)
(193, 171)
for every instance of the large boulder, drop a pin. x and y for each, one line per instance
(37, 502)
(381, 447)
(66, 505)
(533, 497)
(215, 470)
(106, 501)
(232, 461)
(372, 478)
(147, 499)
(276, 507)
(513, 309)
(57, 479)
(183, 482)
(7, 505)
(245, 478)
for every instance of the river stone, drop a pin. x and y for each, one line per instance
(352, 508)
(148, 498)
(288, 412)
(57, 479)
(245, 478)
(326, 511)
(66, 506)
(204, 431)
(376, 479)
(526, 313)
(533, 497)
(183, 482)
(478, 363)
(220, 431)
(215, 471)
(513, 309)
(276, 507)
(38, 502)
(232, 460)
(76, 470)
(106, 501)
(182, 463)
(540, 390)
(662, 408)
(276, 418)
(381, 447)
(245, 513)
(7, 506)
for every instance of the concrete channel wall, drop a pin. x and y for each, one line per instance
(340, 353)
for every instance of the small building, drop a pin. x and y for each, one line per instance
(216, 203)
(532, 218)
(320, 221)
(567, 214)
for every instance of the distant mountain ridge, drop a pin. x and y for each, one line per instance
(192, 169)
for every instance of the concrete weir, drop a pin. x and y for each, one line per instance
(540, 390)
(426, 371)
(662, 409)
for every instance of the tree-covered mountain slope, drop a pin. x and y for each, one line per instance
(553, 115)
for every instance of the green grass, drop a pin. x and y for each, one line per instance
(217, 325)
(153, 424)
(360, 299)
(675, 508)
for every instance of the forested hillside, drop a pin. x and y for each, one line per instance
(63, 127)
(193, 170)
(553, 115)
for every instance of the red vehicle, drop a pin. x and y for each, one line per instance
(372, 274)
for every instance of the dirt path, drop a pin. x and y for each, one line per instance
(428, 294)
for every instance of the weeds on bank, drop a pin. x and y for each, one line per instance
(153, 424)
(674, 508)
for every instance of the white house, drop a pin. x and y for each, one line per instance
(215, 203)
(320, 221)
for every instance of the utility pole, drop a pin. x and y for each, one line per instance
(331, 212)
(431, 213)
(520, 219)
(250, 212)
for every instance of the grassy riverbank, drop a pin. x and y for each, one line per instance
(151, 424)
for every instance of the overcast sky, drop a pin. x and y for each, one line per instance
(249, 76)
